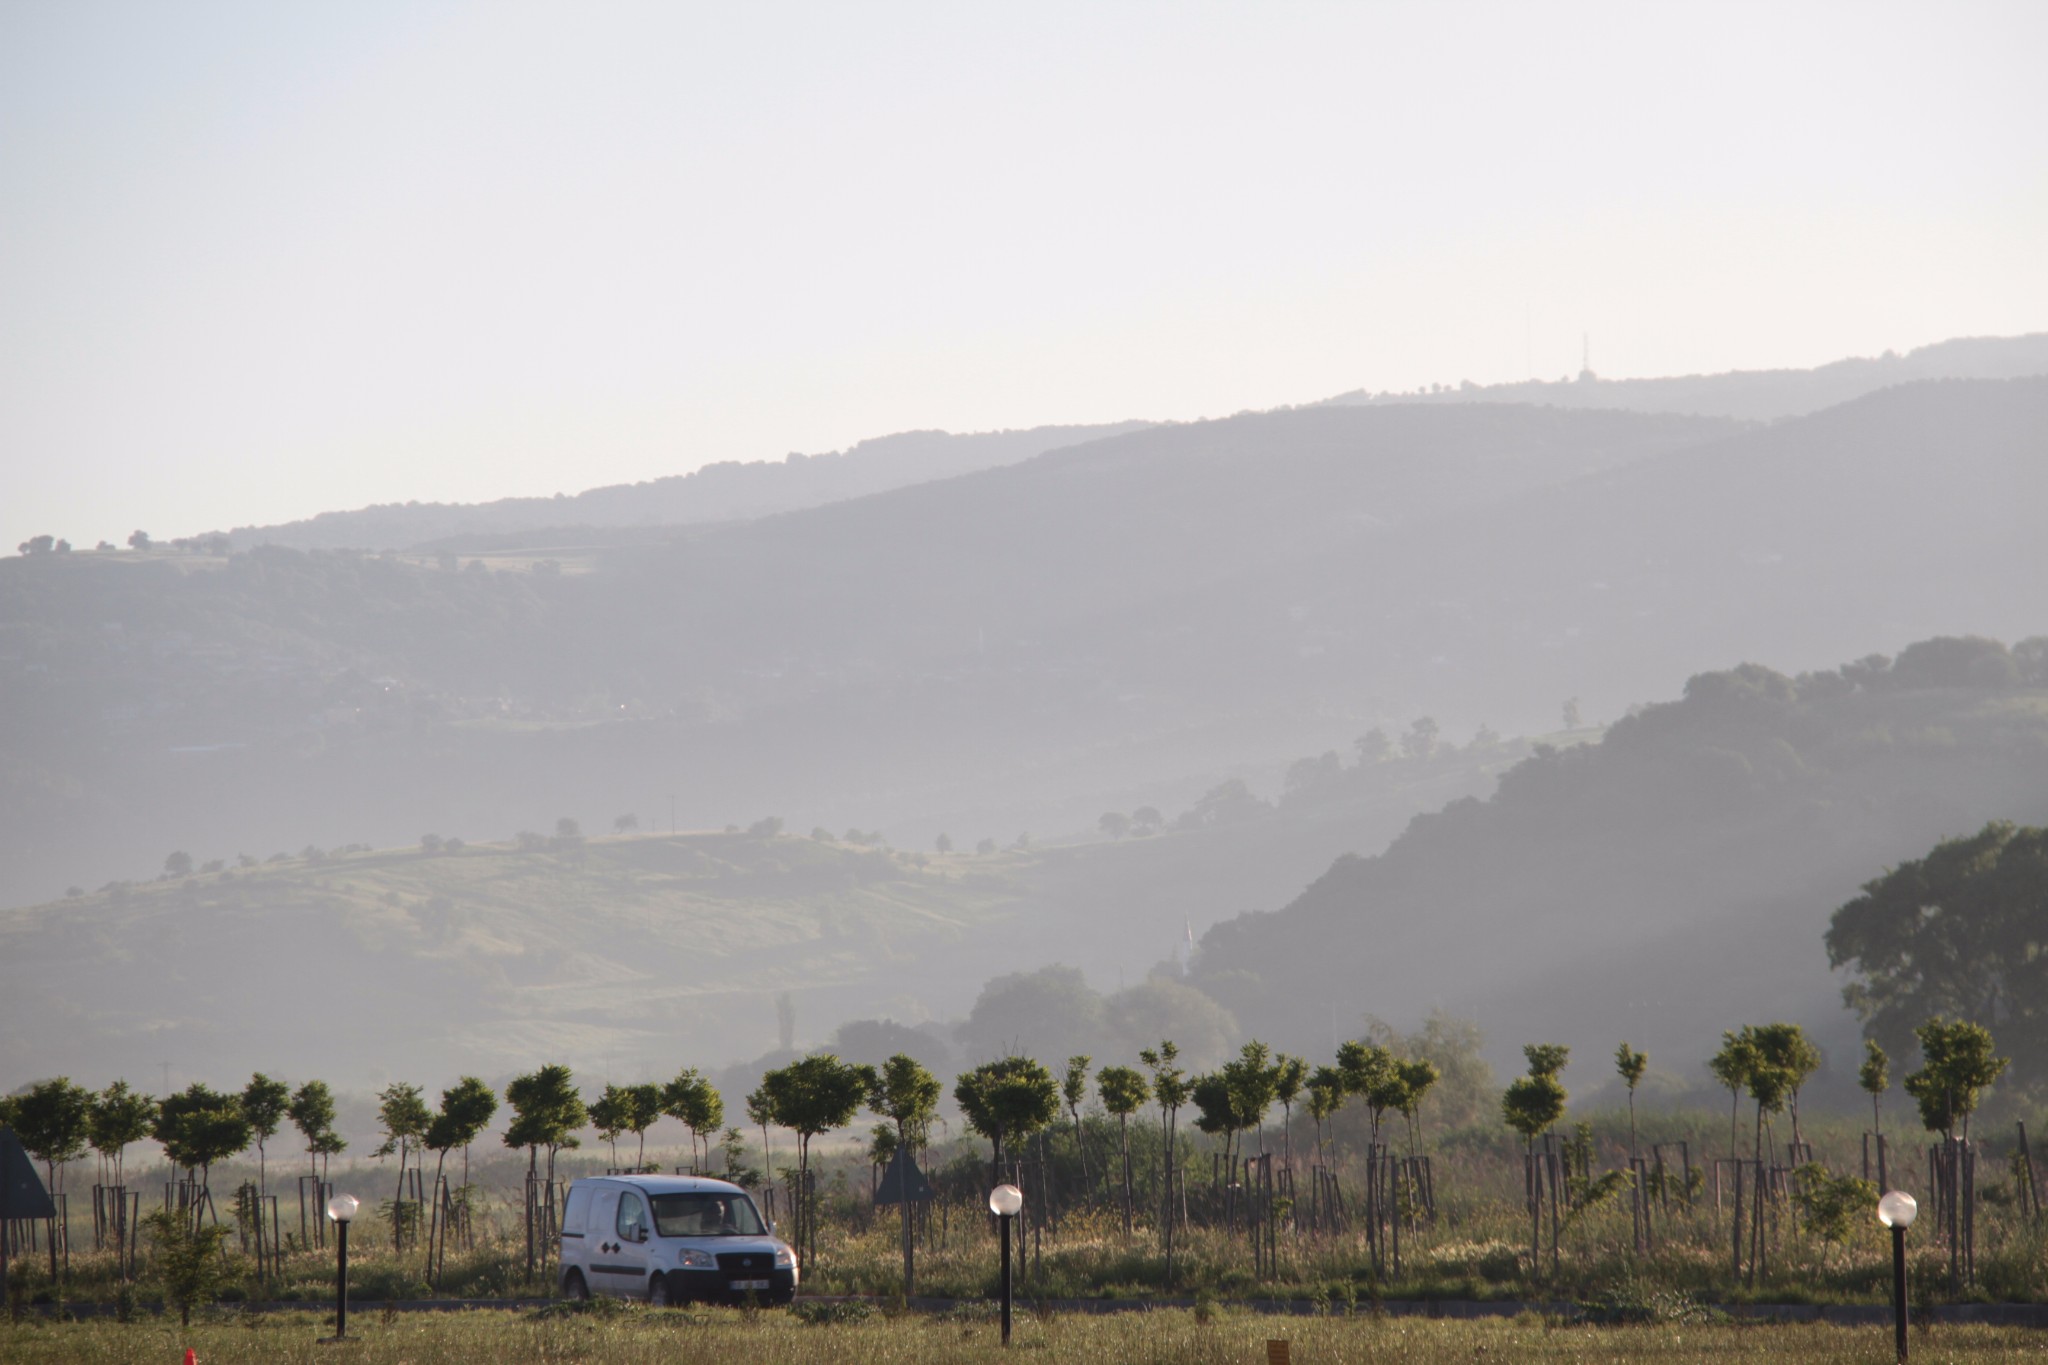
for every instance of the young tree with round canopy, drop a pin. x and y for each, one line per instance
(264, 1102)
(1531, 1104)
(119, 1116)
(1874, 1077)
(694, 1100)
(1123, 1091)
(53, 1119)
(1007, 1099)
(814, 1095)
(907, 1095)
(198, 1127)
(312, 1113)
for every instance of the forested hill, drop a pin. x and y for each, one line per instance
(1756, 395)
(1669, 882)
(728, 490)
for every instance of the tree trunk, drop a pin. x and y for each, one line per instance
(398, 1204)
(903, 1203)
(1124, 1131)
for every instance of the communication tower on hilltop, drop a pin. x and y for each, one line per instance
(1586, 375)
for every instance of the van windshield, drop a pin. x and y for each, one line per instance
(706, 1215)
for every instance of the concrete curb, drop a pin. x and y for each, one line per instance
(1855, 1314)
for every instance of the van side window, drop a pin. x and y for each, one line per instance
(632, 1216)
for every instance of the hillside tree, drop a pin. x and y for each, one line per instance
(1326, 1095)
(1953, 935)
(1073, 1090)
(1958, 1063)
(610, 1113)
(1290, 1074)
(1419, 1076)
(198, 1127)
(53, 1119)
(1123, 1092)
(1007, 1099)
(813, 1095)
(907, 1095)
(1874, 1077)
(1787, 1048)
(467, 1108)
(697, 1103)
(264, 1102)
(1170, 1090)
(404, 1114)
(120, 1116)
(1630, 1065)
(1731, 1067)
(312, 1113)
(1531, 1105)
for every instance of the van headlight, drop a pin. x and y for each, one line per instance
(689, 1258)
(785, 1259)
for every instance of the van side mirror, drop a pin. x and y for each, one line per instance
(640, 1234)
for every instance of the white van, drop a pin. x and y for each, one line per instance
(671, 1239)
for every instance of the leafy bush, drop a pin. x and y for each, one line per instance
(188, 1261)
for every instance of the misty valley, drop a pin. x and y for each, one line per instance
(1462, 732)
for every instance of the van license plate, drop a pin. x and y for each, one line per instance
(750, 1284)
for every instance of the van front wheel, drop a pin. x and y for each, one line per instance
(657, 1291)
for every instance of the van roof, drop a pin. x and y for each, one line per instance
(666, 1184)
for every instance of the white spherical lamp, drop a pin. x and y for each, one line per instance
(1897, 1209)
(343, 1207)
(1005, 1200)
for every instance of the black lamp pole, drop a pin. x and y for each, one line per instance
(341, 1280)
(1899, 1288)
(1004, 1219)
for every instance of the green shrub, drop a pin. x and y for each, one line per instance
(386, 1280)
(821, 1312)
(188, 1263)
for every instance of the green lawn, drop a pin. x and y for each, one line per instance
(770, 1338)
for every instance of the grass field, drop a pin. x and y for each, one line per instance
(773, 1338)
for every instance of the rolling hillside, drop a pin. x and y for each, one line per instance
(623, 951)
(883, 659)
(1673, 880)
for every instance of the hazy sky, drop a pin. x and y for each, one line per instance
(262, 260)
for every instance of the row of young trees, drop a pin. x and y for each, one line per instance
(1006, 1101)
(58, 1122)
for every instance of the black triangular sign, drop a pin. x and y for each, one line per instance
(21, 1190)
(903, 1180)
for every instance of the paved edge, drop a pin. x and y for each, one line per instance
(1854, 1314)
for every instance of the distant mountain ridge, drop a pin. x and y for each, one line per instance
(1127, 621)
(735, 491)
(729, 490)
(1755, 395)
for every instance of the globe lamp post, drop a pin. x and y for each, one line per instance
(1897, 1210)
(1004, 1201)
(340, 1210)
